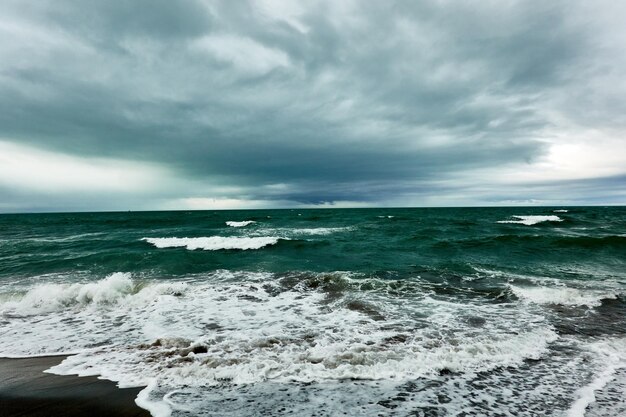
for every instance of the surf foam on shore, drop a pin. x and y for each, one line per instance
(613, 355)
(258, 336)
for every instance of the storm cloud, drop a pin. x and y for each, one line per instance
(218, 104)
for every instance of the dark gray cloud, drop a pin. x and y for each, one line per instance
(316, 102)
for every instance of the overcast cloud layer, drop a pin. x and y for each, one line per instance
(222, 104)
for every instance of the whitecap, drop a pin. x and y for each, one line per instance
(50, 297)
(114, 289)
(314, 231)
(560, 211)
(214, 242)
(240, 224)
(562, 295)
(319, 230)
(531, 220)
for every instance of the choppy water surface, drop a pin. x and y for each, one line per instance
(421, 312)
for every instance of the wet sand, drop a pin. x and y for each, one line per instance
(25, 391)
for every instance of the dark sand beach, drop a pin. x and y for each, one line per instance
(25, 390)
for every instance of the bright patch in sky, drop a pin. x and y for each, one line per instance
(47, 172)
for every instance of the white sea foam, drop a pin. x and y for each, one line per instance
(252, 335)
(261, 334)
(214, 242)
(157, 408)
(115, 289)
(240, 224)
(319, 230)
(531, 220)
(563, 295)
(52, 297)
(297, 232)
(291, 336)
(613, 356)
(560, 211)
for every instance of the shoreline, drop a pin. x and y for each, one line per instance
(26, 391)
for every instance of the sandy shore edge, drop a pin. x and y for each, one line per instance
(26, 391)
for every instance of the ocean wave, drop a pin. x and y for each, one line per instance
(63, 239)
(532, 220)
(115, 289)
(591, 241)
(539, 242)
(562, 295)
(240, 224)
(235, 329)
(295, 232)
(285, 328)
(560, 211)
(214, 242)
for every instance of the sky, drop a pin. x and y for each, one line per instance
(167, 104)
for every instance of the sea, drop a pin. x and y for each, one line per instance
(517, 311)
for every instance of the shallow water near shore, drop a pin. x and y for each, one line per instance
(433, 312)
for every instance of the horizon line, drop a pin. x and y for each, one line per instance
(309, 208)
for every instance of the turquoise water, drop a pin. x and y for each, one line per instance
(589, 243)
(438, 311)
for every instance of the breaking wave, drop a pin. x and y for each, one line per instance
(565, 296)
(214, 242)
(531, 220)
(117, 288)
(240, 224)
(299, 327)
(258, 334)
(296, 232)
